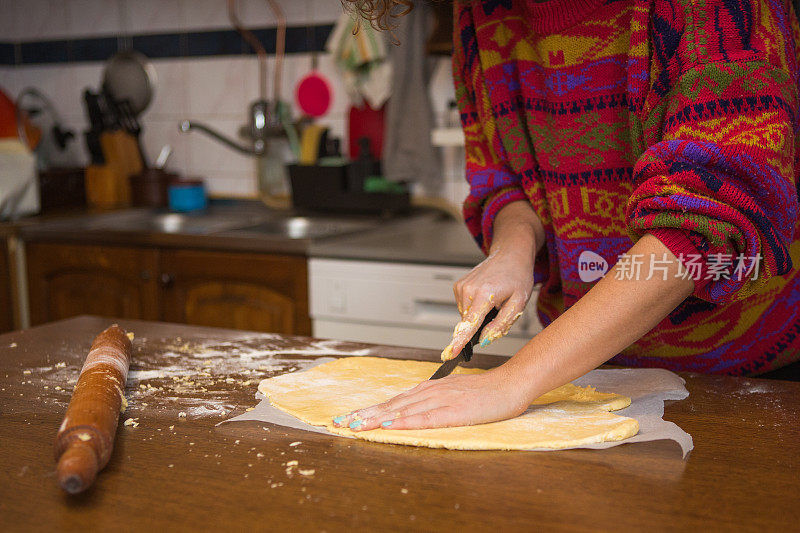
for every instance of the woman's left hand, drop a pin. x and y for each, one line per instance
(456, 400)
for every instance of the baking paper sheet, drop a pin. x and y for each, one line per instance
(647, 388)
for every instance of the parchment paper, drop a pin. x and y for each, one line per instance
(647, 388)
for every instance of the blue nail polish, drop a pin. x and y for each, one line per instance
(485, 342)
(355, 423)
(339, 419)
(387, 423)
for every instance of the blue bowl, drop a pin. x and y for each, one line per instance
(189, 196)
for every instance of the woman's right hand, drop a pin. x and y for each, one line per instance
(503, 280)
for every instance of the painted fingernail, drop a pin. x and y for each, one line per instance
(387, 423)
(355, 423)
(339, 419)
(485, 342)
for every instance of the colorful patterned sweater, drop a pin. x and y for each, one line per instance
(616, 118)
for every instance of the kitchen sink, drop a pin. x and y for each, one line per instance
(300, 227)
(201, 223)
(223, 221)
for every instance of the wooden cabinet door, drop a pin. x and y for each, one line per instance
(236, 290)
(66, 280)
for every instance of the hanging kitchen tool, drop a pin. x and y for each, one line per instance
(129, 82)
(313, 93)
(130, 76)
(14, 123)
(363, 121)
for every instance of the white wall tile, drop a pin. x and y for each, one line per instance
(232, 184)
(8, 22)
(295, 68)
(83, 76)
(170, 100)
(57, 82)
(75, 153)
(8, 81)
(94, 17)
(208, 156)
(205, 14)
(216, 87)
(41, 19)
(152, 16)
(257, 13)
(157, 133)
(325, 11)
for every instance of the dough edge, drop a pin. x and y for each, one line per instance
(624, 428)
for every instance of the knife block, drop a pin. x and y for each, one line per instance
(108, 185)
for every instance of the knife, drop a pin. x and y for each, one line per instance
(466, 352)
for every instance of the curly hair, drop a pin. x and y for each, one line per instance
(380, 13)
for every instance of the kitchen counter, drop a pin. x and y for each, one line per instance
(421, 237)
(186, 473)
(429, 239)
(229, 226)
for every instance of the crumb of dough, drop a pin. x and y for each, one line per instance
(84, 436)
(181, 415)
(249, 408)
(404, 491)
(306, 472)
(296, 443)
(26, 371)
(62, 364)
(12, 345)
(292, 463)
(124, 405)
(58, 387)
(130, 335)
(259, 455)
(131, 422)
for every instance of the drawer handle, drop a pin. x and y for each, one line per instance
(167, 280)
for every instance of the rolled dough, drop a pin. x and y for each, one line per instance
(563, 418)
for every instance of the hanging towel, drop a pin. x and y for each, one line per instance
(408, 153)
(362, 61)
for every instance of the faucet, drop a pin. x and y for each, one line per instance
(261, 127)
(265, 121)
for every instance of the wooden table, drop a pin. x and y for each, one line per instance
(184, 473)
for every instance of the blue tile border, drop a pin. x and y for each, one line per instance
(6, 54)
(299, 39)
(158, 44)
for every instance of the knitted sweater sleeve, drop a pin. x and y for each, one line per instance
(493, 184)
(716, 179)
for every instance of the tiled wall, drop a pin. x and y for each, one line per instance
(214, 89)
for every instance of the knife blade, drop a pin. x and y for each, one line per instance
(466, 353)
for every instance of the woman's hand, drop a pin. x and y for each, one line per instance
(456, 400)
(504, 280)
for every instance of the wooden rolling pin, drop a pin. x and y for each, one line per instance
(86, 436)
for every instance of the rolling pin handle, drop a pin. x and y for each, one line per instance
(77, 467)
